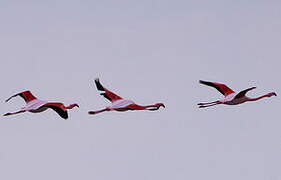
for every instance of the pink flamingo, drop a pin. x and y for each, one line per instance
(231, 97)
(120, 104)
(35, 105)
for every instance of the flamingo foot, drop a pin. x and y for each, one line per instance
(7, 114)
(92, 112)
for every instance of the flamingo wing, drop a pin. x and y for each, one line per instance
(222, 88)
(107, 94)
(26, 95)
(243, 93)
(59, 108)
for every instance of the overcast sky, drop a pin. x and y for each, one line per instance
(148, 51)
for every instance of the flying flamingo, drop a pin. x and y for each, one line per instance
(231, 97)
(35, 105)
(120, 104)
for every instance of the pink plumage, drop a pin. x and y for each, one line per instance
(36, 105)
(230, 97)
(120, 104)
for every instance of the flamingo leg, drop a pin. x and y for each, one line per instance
(203, 106)
(100, 111)
(7, 114)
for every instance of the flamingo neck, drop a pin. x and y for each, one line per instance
(139, 107)
(149, 106)
(258, 98)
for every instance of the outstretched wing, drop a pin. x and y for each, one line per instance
(26, 95)
(243, 93)
(107, 94)
(58, 107)
(222, 88)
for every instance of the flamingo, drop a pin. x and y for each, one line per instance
(231, 97)
(35, 105)
(120, 104)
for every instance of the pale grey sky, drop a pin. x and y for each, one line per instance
(148, 51)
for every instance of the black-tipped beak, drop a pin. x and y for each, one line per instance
(163, 106)
(274, 94)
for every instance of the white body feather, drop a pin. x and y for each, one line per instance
(122, 103)
(35, 106)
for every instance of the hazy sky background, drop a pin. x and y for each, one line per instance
(148, 51)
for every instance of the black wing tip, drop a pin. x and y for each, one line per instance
(18, 94)
(204, 82)
(98, 84)
(61, 112)
(252, 88)
(63, 115)
(12, 97)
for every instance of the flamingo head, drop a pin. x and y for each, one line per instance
(158, 105)
(271, 94)
(72, 106)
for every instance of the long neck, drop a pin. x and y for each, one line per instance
(151, 107)
(139, 107)
(258, 98)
